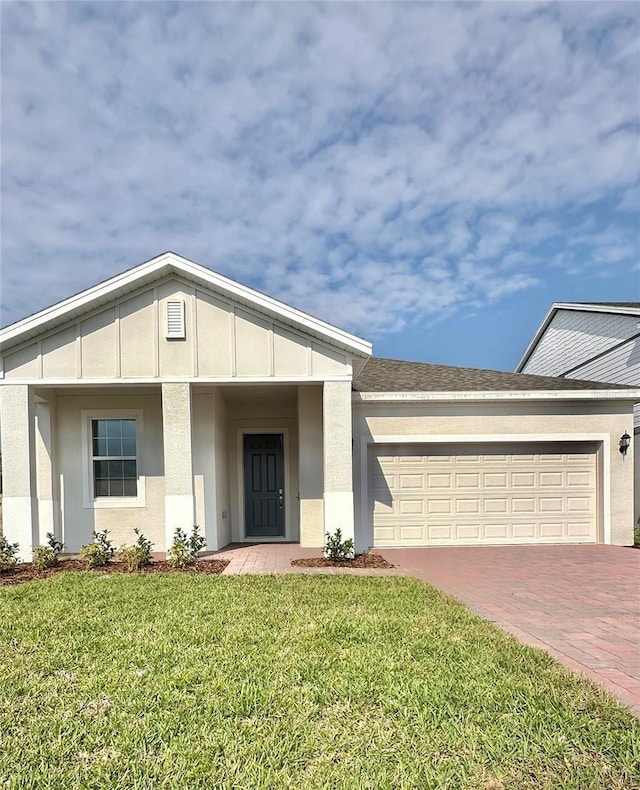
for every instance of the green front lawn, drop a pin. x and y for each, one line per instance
(287, 682)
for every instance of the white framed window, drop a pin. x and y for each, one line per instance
(111, 459)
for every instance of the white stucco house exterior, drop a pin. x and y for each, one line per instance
(170, 396)
(599, 341)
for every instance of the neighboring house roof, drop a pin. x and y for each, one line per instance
(159, 268)
(595, 305)
(618, 308)
(394, 375)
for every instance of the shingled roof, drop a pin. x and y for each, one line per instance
(395, 375)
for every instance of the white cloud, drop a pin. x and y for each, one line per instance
(377, 164)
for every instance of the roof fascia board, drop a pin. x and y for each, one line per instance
(631, 395)
(175, 263)
(536, 338)
(84, 298)
(596, 308)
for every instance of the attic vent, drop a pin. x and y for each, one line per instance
(175, 318)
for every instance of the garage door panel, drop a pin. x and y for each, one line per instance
(524, 532)
(466, 506)
(523, 479)
(467, 480)
(468, 532)
(439, 481)
(482, 499)
(411, 507)
(495, 506)
(520, 505)
(579, 530)
(412, 532)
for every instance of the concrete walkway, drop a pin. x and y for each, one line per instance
(579, 603)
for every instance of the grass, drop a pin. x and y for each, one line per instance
(288, 682)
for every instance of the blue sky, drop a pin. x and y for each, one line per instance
(431, 176)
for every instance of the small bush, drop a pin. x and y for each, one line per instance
(337, 549)
(184, 550)
(139, 555)
(8, 554)
(636, 534)
(100, 552)
(47, 556)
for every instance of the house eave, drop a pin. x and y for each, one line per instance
(630, 395)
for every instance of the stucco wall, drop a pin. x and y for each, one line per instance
(211, 468)
(77, 521)
(128, 340)
(311, 472)
(535, 420)
(222, 471)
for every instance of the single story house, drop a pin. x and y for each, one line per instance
(599, 341)
(170, 396)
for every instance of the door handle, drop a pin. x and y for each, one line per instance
(280, 498)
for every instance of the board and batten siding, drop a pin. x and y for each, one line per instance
(576, 336)
(128, 340)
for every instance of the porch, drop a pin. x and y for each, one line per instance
(246, 462)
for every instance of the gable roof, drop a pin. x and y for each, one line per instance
(159, 268)
(380, 375)
(596, 305)
(618, 308)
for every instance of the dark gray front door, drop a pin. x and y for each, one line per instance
(264, 485)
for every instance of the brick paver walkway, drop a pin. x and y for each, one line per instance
(276, 558)
(579, 603)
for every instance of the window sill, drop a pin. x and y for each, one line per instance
(108, 503)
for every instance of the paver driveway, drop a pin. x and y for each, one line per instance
(579, 603)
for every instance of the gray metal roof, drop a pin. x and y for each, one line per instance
(395, 375)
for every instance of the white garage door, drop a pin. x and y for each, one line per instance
(429, 496)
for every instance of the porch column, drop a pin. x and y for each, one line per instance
(310, 466)
(178, 463)
(45, 489)
(17, 429)
(337, 453)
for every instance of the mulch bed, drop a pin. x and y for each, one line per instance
(26, 572)
(360, 561)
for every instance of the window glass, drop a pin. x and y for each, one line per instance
(115, 466)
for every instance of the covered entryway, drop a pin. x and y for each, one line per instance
(429, 495)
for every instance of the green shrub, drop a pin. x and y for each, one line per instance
(184, 550)
(100, 552)
(8, 554)
(337, 549)
(139, 555)
(47, 556)
(636, 534)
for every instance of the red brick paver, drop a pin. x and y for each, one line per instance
(276, 558)
(579, 603)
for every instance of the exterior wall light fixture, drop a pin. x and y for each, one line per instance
(625, 441)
